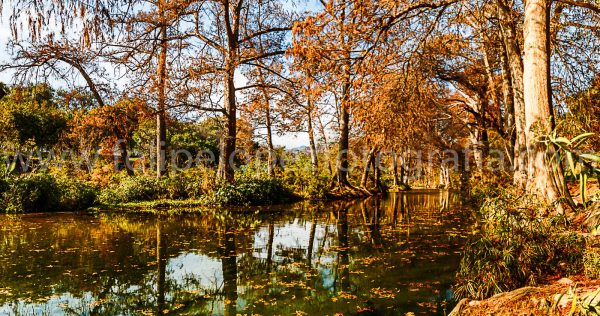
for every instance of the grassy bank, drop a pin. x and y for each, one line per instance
(51, 192)
(524, 243)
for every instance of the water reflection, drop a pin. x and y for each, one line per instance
(379, 256)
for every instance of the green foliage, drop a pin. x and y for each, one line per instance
(76, 194)
(193, 138)
(131, 189)
(252, 192)
(32, 193)
(29, 116)
(580, 165)
(300, 177)
(516, 248)
(42, 192)
(485, 186)
(191, 184)
(586, 304)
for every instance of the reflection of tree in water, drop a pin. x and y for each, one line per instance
(312, 260)
(343, 256)
(161, 264)
(228, 255)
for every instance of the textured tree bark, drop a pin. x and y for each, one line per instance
(324, 135)
(344, 145)
(515, 62)
(161, 124)
(538, 108)
(271, 148)
(509, 104)
(343, 148)
(271, 159)
(228, 138)
(368, 162)
(227, 144)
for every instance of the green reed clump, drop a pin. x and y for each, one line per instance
(516, 248)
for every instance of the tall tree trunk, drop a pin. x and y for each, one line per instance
(343, 146)
(271, 159)
(538, 96)
(344, 142)
(515, 61)
(403, 175)
(125, 158)
(326, 142)
(314, 160)
(161, 122)
(509, 106)
(491, 85)
(368, 162)
(395, 170)
(228, 138)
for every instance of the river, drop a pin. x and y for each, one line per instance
(380, 256)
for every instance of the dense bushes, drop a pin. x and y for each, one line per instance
(252, 192)
(517, 248)
(192, 184)
(42, 192)
(131, 189)
(246, 191)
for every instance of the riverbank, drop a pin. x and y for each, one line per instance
(577, 295)
(529, 259)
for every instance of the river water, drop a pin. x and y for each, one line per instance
(381, 256)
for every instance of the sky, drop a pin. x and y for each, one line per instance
(288, 140)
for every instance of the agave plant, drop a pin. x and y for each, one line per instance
(581, 166)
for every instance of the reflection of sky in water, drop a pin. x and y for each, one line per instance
(194, 264)
(53, 306)
(206, 270)
(295, 236)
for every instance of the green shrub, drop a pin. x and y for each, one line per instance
(252, 192)
(32, 193)
(516, 248)
(308, 185)
(131, 189)
(191, 184)
(42, 192)
(76, 195)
